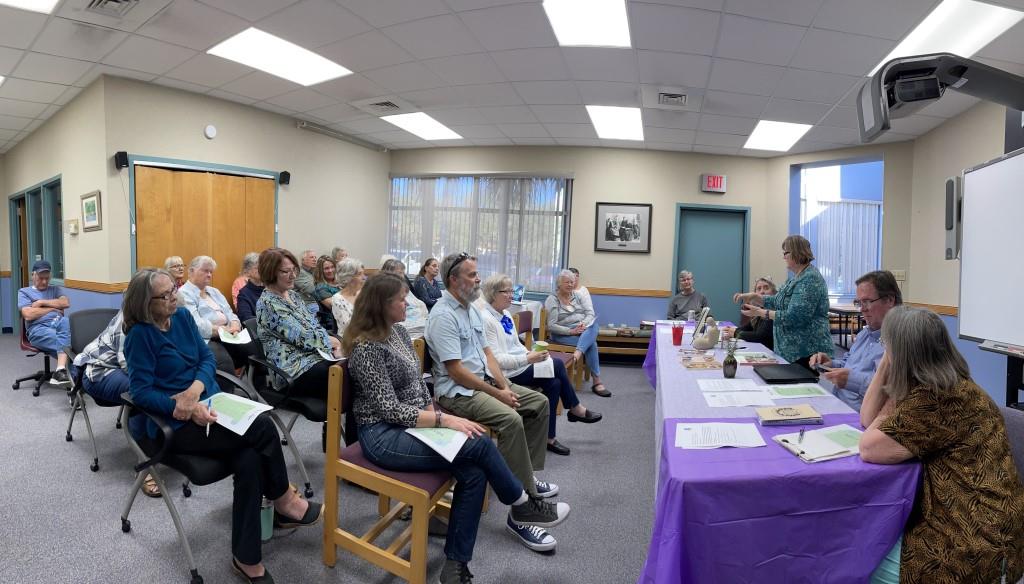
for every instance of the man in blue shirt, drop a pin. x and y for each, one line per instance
(877, 294)
(42, 307)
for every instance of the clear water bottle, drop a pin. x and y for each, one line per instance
(266, 519)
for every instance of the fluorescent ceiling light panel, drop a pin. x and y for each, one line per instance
(778, 136)
(961, 27)
(589, 23)
(616, 123)
(423, 126)
(44, 6)
(274, 55)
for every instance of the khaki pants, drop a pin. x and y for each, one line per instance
(522, 433)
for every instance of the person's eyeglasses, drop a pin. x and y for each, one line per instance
(462, 257)
(785, 253)
(286, 273)
(177, 266)
(505, 291)
(866, 303)
(165, 297)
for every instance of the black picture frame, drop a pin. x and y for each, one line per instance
(623, 227)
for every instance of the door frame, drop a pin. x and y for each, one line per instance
(191, 165)
(681, 208)
(17, 282)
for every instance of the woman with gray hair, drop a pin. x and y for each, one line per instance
(518, 363)
(968, 523)
(571, 321)
(175, 266)
(249, 269)
(212, 314)
(350, 278)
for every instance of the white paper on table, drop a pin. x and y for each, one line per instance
(699, 436)
(242, 338)
(719, 385)
(444, 441)
(801, 390)
(235, 412)
(823, 443)
(544, 370)
(732, 399)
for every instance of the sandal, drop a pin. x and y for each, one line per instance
(150, 488)
(266, 578)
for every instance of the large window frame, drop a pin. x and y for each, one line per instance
(44, 222)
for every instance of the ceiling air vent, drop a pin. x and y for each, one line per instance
(679, 99)
(676, 99)
(115, 8)
(384, 105)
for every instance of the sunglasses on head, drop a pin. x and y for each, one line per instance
(461, 258)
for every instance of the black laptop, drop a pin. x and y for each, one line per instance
(789, 373)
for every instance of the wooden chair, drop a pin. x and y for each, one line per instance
(562, 352)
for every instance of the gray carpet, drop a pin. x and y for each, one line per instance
(61, 521)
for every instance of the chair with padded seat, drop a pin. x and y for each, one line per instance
(40, 377)
(562, 352)
(85, 326)
(1014, 421)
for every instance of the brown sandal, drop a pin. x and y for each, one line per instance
(150, 488)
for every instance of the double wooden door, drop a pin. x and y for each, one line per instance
(190, 213)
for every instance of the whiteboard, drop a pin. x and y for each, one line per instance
(991, 269)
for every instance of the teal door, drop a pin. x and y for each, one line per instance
(713, 245)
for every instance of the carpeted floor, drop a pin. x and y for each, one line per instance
(61, 522)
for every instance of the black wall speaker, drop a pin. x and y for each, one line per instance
(953, 221)
(285, 177)
(121, 160)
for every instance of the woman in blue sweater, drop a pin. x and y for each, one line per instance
(171, 372)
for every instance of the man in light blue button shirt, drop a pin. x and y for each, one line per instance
(877, 294)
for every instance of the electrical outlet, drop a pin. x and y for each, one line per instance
(900, 275)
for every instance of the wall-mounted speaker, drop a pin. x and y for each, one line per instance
(953, 206)
(285, 177)
(120, 160)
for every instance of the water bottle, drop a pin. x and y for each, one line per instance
(266, 519)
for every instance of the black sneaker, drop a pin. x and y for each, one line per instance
(539, 512)
(60, 378)
(544, 489)
(531, 536)
(455, 573)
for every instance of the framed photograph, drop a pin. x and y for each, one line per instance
(623, 227)
(92, 218)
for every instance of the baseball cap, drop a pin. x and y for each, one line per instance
(41, 266)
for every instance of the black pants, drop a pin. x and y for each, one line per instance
(230, 354)
(259, 471)
(313, 383)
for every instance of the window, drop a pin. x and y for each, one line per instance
(516, 226)
(36, 222)
(841, 215)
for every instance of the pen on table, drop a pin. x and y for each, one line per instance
(209, 405)
(801, 437)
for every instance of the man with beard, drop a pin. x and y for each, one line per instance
(469, 383)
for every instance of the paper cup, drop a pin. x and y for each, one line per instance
(540, 346)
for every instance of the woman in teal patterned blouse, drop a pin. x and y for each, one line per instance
(799, 309)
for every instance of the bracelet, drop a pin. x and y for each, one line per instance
(437, 419)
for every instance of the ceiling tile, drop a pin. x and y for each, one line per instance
(744, 77)
(1015, 68)
(49, 111)
(22, 109)
(37, 91)
(842, 117)
(465, 69)
(405, 77)
(13, 123)
(591, 142)
(381, 13)
(548, 92)
(952, 103)
(6, 135)
(40, 67)
(839, 52)
(833, 135)
(438, 97)
(458, 117)
(609, 93)
(800, 12)
(489, 94)
(526, 141)
(92, 74)
(566, 114)
(523, 130)
(758, 41)
(251, 10)
(75, 40)
(302, 100)
(68, 94)
(517, 26)
(542, 64)
(799, 112)
(916, 124)
(815, 86)
(715, 5)
(208, 70)
(733, 104)
(863, 16)
(804, 146)
(493, 142)
(77, 10)
(182, 85)
(227, 95)
(370, 50)
(721, 150)
(1008, 46)
(669, 135)
(338, 112)
(727, 124)
(351, 88)
(144, 54)
(673, 28)
(32, 127)
(439, 36)
(260, 85)
(571, 130)
(670, 119)
(194, 25)
(673, 68)
(601, 63)
(314, 23)
(368, 126)
(667, 146)
(8, 59)
(507, 115)
(393, 136)
(274, 108)
(462, 5)
(893, 137)
(18, 28)
(477, 131)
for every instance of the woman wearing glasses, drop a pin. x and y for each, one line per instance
(799, 310)
(175, 266)
(571, 321)
(757, 329)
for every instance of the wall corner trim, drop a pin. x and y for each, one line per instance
(5, 273)
(114, 288)
(629, 292)
(937, 308)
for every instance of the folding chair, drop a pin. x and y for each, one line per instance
(40, 377)
(86, 325)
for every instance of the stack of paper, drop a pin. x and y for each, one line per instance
(753, 358)
(700, 436)
(235, 412)
(793, 415)
(822, 444)
(444, 441)
(798, 390)
(718, 385)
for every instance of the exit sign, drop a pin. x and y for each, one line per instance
(712, 183)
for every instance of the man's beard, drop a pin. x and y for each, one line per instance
(470, 295)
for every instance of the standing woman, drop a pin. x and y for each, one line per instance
(350, 278)
(757, 329)
(170, 371)
(571, 321)
(799, 311)
(426, 286)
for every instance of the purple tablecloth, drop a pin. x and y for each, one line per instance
(761, 515)
(651, 359)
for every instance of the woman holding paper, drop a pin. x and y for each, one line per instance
(968, 523)
(171, 372)
(212, 314)
(519, 364)
(390, 397)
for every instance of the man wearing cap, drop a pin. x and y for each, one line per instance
(42, 307)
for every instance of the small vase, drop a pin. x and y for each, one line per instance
(729, 365)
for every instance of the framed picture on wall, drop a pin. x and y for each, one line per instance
(623, 227)
(92, 218)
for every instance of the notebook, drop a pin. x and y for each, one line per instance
(794, 415)
(517, 293)
(751, 358)
(822, 444)
(789, 373)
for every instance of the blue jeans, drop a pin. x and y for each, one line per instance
(51, 337)
(586, 343)
(478, 463)
(555, 388)
(109, 388)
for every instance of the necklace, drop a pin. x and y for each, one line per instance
(400, 348)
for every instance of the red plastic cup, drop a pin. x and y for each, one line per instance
(677, 335)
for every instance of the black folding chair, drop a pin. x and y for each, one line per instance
(86, 325)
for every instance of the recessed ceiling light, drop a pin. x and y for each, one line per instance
(589, 23)
(274, 55)
(44, 6)
(423, 126)
(778, 136)
(616, 123)
(2, 79)
(961, 27)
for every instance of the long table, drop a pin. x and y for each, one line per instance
(761, 515)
